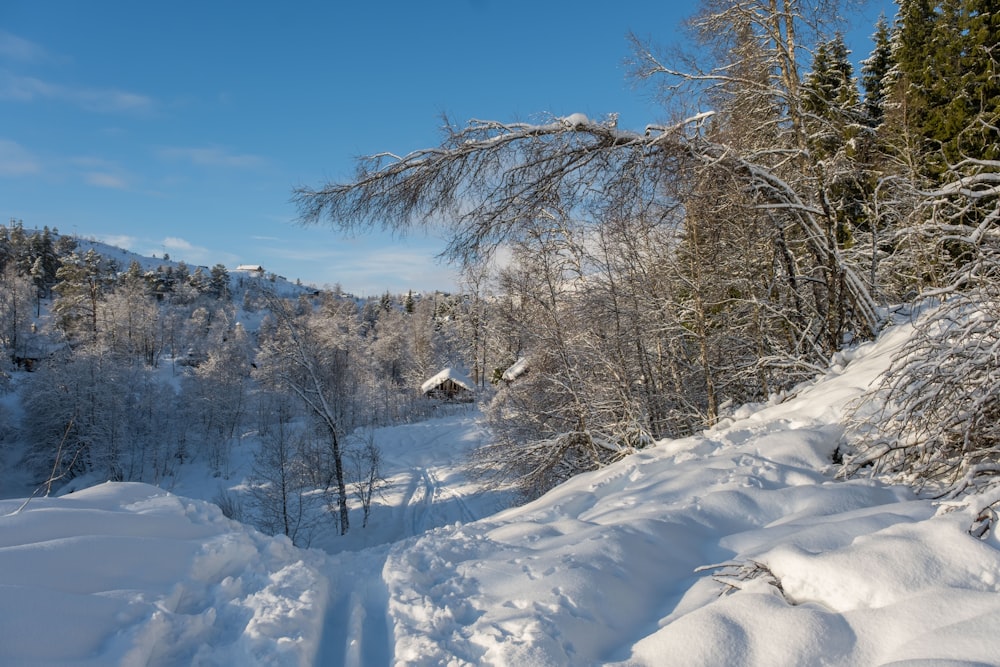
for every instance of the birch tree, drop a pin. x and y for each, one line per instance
(730, 181)
(299, 355)
(16, 296)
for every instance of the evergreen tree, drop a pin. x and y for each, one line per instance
(948, 111)
(907, 98)
(218, 282)
(830, 97)
(82, 283)
(44, 261)
(875, 71)
(6, 251)
(981, 80)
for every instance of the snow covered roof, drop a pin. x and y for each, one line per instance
(517, 369)
(455, 376)
(252, 268)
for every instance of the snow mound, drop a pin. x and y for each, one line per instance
(734, 547)
(129, 574)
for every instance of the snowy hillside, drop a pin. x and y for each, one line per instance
(239, 278)
(733, 547)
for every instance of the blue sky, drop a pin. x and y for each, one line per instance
(183, 127)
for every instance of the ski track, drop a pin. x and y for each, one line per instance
(357, 629)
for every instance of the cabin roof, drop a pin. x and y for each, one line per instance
(455, 376)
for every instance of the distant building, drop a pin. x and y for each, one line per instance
(251, 268)
(449, 385)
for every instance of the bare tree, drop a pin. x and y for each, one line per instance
(939, 403)
(758, 289)
(494, 180)
(300, 353)
(16, 295)
(368, 480)
(282, 497)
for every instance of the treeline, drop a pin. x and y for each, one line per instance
(136, 371)
(652, 278)
(621, 285)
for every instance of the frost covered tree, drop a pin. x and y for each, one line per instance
(367, 479)
(17, 296)
(282, 497)
(129, 323)
(940, 401)
(304, 353)
(754, 238)
(83, 282)
(104, 417)
(218, 390)
(939, 405)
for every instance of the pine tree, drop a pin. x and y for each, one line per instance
(981, 80)
(218, 283)
(907, 98)
(875, 71)
(82, 282)
(830, 97)
(948, 111)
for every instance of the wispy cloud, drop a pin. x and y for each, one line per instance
(102, 179)
(396, 270)
(177, 243)
(212, 157)
(118, 240)
(15, 160)
(18, 88)
(17, 48)
(182, 249)
(178, 248)
(100, 172)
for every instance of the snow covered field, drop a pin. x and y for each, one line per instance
(733, 547)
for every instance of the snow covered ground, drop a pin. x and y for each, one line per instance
(733, 547)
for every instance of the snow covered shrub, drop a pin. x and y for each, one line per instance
(934, 419)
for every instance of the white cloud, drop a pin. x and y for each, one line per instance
(29, 89)
(118, 240)
(211, 157)
(105, 180)
(394, 270)
(15, 160)
(17, 48)
(181, 249)
(175, 243)
(178, 248)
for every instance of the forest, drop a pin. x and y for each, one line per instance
(127, 372)
(788, 208)
(619, 286)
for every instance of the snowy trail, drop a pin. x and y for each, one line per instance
(427, 490)
(630, 565)
(735, 546)
(356, 632)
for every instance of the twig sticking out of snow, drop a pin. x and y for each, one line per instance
(733, 576)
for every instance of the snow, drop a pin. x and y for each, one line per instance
(125, 573)
(575, 120)
(737, 546)
(517, 369)
(452, 374)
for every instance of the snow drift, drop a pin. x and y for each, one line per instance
(734, 547)
(128, 574)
